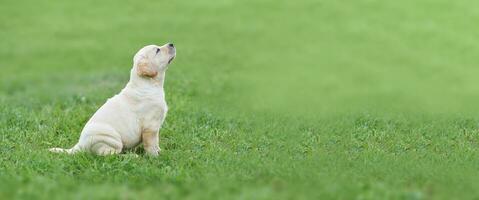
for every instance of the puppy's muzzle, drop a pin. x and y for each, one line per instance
(171, 51)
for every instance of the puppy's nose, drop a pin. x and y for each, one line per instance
(171, 45)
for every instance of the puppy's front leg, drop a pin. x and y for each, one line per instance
(150, 142)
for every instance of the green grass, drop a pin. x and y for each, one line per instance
(305, 99)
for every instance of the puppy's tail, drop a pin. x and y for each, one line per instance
(73, 150)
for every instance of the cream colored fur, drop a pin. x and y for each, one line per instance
(136, 114)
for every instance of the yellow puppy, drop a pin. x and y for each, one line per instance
(134, 115)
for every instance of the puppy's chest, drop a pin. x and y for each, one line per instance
(152, 112)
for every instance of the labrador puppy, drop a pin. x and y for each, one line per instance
(136, 114)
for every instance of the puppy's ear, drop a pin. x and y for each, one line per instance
(145, 68)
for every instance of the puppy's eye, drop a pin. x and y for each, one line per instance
(157, 50)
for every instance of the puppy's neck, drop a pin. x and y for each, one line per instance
(156, 81)
(143, 81)
(140, 88)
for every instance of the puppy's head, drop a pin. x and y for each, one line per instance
(152, 59)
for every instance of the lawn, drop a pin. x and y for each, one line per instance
(268, 99)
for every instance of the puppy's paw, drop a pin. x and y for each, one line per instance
(153, 151)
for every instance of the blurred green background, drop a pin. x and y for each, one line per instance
(304, 99)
